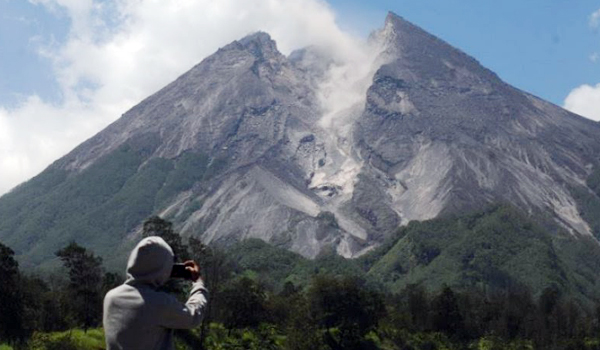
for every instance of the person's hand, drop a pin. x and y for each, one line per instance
(193, 268)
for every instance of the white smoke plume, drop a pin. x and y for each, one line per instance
(342, 94)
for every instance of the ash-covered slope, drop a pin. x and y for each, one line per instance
(249, 143)
(445, 135)
(225, 151)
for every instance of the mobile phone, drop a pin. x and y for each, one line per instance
(179, 271)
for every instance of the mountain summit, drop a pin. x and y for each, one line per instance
(247, 144)
(452, 136)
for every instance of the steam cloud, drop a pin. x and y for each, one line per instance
(342, 94)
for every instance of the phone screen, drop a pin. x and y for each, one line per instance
(179, 271)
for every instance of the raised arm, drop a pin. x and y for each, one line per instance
(176, 315)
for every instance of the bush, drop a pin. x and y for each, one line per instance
(75, 339)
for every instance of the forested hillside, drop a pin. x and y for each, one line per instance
(417, 291)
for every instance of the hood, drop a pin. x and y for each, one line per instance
(150, 262)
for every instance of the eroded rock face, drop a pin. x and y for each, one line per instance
(302, 158)
(449, 135)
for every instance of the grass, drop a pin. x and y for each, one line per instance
(75, 339)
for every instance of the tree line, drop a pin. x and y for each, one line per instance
(332, 311)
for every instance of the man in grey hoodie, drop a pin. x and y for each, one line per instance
(137, 315)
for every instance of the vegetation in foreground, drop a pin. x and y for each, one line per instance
(263, 297)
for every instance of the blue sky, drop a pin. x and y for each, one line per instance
(70, 67)
(541, 46)
(23, 71)
(545, 47)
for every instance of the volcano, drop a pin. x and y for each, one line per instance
(247, 145)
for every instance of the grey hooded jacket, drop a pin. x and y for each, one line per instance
(136, 315)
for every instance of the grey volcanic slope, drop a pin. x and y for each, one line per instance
(237, 147)
(445, 135)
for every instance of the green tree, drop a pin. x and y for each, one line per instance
(44, 307)
(550, 316)
(85, 284)
(517, 306)
(346, 309)
(303, 330)
(242, 304)
(110, 280)
(156, 226)
(446, 316)
(11, 301)
(418, 306)
(215, 269)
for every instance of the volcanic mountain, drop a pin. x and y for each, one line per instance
(245, 145)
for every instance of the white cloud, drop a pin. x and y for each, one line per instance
(120, 51)
(595, 19)
(32, 135)
(585, 101)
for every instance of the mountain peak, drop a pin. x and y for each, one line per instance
(392, 18)
(259, 44)
(409, 35)
(401, 37)
(261, 38)
(428, 56)
(402, 26)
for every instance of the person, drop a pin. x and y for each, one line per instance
(139, 316)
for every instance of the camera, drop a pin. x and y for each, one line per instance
(179, 271)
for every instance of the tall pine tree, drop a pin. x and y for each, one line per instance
(85, 284)
(11, 301)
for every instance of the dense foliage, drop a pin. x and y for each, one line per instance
(263, 297)
(98, 205)
(496, 248)
(85, 283)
